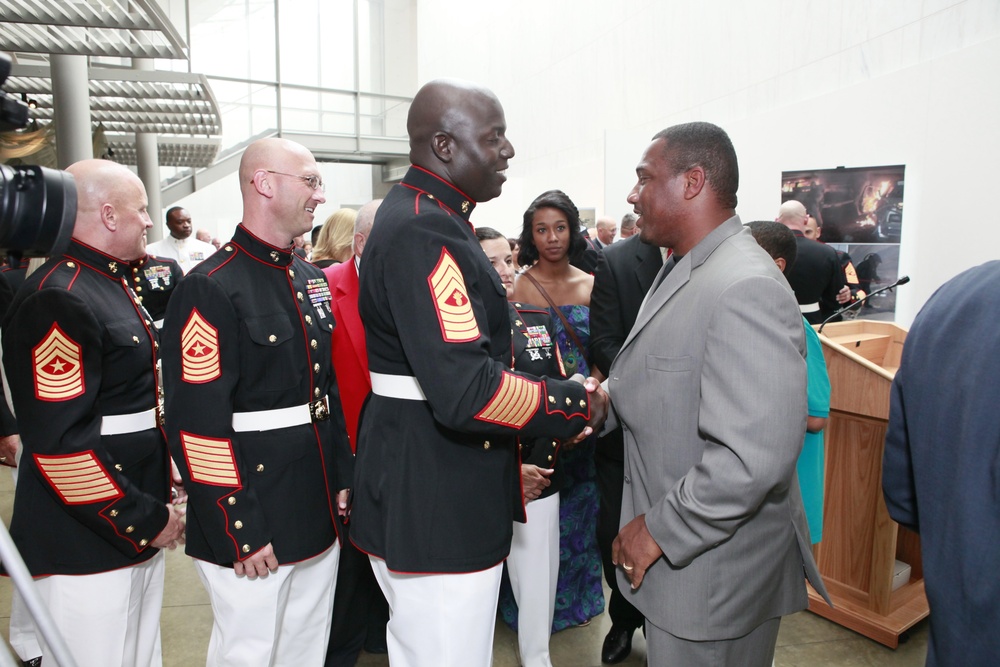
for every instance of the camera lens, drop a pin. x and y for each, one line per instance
(37, 210)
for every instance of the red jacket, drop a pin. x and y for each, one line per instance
(350, 355)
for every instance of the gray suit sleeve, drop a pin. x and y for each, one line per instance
(751, 416)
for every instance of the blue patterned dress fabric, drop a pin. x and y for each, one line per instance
(579, 595)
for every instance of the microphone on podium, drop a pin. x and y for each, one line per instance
(901, 281)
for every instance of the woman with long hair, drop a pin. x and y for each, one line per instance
(550, 237)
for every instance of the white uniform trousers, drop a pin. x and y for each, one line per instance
(440, 620)
(111, 619)
(533, 566)
(22, 628)
(281, 619)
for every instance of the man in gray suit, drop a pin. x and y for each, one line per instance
(710, 390)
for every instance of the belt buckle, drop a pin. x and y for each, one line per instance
(319, 410)
(160, 416)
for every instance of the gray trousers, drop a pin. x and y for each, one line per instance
(755, 649)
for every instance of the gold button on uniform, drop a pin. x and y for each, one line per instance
(272, 338)
(550, 457)
(291, 273)
(298, 295)
(315, 368)
(583, 403)
(143, 542)
(246, 548)
(130, 529)
(552, 399)
(231, 500)
(229, 248)
(71, 265)
(309, 319)
(569, 401)
(486, 445)
(118, 467)
(138, 289)
(238, 525)
(260, 467)
(113, 513)
(316, 392)
(314, 343)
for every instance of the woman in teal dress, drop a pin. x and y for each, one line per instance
(549, 237)
(810, 464)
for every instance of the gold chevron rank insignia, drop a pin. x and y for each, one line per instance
(210, 460)
(199, 351)
(514, 403)
(79, 479)
(451, 298)
(57, 363)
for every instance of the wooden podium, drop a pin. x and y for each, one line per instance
(860, 542)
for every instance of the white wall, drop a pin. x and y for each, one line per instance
(219, 208)
(798, 85)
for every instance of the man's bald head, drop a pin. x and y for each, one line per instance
(458, 131)
(110, 208)
(606, 228)
(792, 214)
(276, 179)
(271, 154)
(363, 225)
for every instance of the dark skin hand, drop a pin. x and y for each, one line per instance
(635, 550)
(599, 404)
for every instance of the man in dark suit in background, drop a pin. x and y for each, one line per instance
(816, 277)
(624, 273)
(939, 475)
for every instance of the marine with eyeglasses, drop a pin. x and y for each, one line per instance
(257, 428)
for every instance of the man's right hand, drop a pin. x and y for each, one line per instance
(173, 533)
(600, 403)
(534, 480)
(9, 444)
(258, 565)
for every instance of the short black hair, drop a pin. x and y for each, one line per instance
(776, 239)
(170, 211)
(558, 199)
(707, 146)
(488, 234)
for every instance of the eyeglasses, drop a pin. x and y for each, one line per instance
(314, 182)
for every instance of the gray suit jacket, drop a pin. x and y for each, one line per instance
(710, 389)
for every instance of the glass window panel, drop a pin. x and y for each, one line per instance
(317, 43)
(247, 109)
(234, 38)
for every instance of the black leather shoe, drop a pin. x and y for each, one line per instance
(617, 646)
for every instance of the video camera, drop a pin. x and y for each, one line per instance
(37, 205)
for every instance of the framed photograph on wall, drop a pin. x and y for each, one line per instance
(859, 212)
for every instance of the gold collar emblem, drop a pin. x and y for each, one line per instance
(465, 207)
(274, 255)
(113, 267)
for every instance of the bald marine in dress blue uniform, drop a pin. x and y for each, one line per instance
(437, 482)
(256, 426)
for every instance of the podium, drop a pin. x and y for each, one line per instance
(861, 544)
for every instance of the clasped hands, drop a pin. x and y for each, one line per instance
(600, 403)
